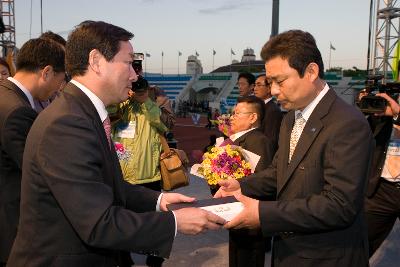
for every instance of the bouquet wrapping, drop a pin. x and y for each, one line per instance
(225, 162)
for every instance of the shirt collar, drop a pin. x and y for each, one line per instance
(267, 100)
(307, 111)
(24, 90)
(98, 104)
(235, 136)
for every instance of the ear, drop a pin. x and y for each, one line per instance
(46, 73)
(312, 71)
(94, 60)
(253, 118)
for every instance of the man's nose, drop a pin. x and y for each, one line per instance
(274, 89)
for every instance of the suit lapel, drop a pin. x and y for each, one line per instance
(310, 132)
(112, 163)
(11, 86)
(90, 110)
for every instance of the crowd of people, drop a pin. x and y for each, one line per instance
(80, 141)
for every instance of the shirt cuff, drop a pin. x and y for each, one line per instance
(176, 225)
(158, 209)
(159, 202)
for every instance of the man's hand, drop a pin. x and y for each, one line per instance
(228, 188)
(192, 221)
(392, 109)
(168, 198)
(249, 217)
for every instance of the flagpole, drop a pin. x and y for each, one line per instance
(162, 63)
(213, 60)
(145, 64)
(41, 16)
(178, 62)
(330, 51)
(230, 64)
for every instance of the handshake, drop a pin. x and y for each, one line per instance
(195, 220)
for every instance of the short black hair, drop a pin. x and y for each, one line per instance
(140, 85)
(91, 35)
(255, 103)
(38, 53)
(54, 36)
(248, 76)
(297, 47)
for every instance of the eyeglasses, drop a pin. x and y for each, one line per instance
(260, 85)
(234, 114)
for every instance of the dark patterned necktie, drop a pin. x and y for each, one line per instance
(107, 129)
(298, 127)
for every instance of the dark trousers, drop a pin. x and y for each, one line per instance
(154, 261)
(382, 210)
(246, 248)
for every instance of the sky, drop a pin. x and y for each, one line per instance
(206, 25)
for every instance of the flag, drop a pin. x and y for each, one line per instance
(332, 47)
(214, 52)
(233, 53)
(179, 53)
(162, 53)
(197, 54)
(148, 55)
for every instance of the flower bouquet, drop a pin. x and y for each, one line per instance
(224, 124)
(224, 163)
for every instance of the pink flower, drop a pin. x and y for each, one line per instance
(119, 147)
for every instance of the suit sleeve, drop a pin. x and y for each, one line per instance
(345, 165)
(15, 131)
(71, 162)
(261, 185)
(266, 153)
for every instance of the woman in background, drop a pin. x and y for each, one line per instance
(5, 71)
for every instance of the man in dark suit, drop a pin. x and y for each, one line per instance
(319, 171)
(245, 84)
(245, 127)
(272, 113)
(247, 247)
(383, 193)
(40, 69)
(76, 210)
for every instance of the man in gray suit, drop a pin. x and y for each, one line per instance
(319, 171)
(76, 209)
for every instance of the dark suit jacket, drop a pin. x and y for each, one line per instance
(317, 218)
(255, 141)
(16, 118)
(272, 122)
(382, 129)
(76, 210)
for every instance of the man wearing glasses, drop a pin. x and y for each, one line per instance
(247, 247)
(272, 113)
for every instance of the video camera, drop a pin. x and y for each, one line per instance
(371, 103)
(137, 63)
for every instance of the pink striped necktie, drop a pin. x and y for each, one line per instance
(107, 129)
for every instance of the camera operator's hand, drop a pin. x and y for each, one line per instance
(392, 108)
